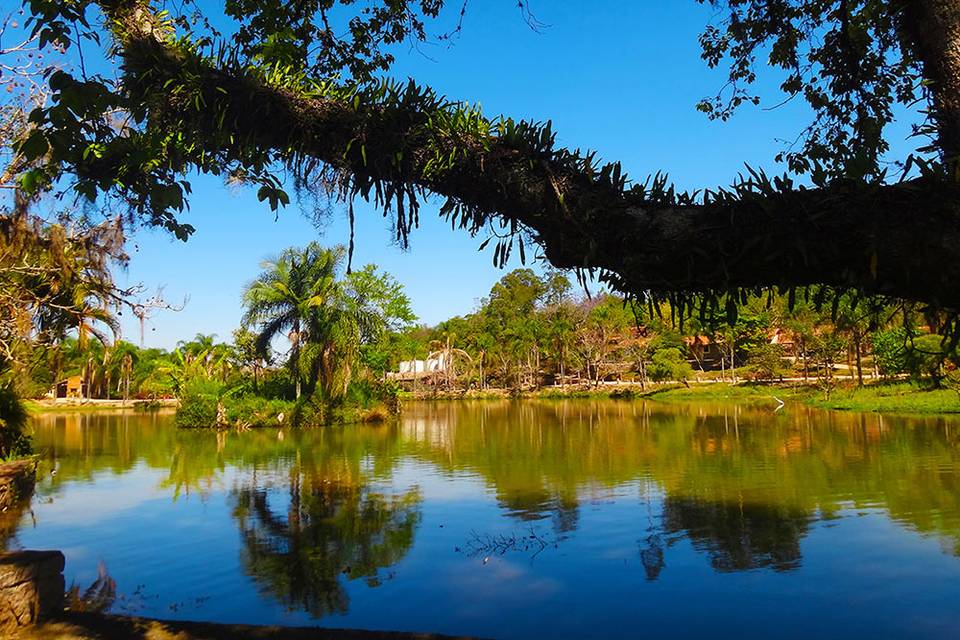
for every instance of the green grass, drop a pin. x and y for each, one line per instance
(36, 407)
(903, 397)
(721, 391)
(899, 397)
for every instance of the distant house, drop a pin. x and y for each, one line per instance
(705, 352)
(70, 387)
(411, 369)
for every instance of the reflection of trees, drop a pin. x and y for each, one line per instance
(10, 521)
(739, 536)
(542, 459)
(331, 531)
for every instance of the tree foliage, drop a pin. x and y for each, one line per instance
(261, 101)
(326, 317)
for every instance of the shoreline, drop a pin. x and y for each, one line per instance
(97, 626)
(75, 405)
(894, 397)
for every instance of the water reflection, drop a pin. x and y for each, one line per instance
(327, 532)
(322, 513)
(738, 537)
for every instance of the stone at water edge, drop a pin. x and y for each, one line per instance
(31, 588)
(17, 480)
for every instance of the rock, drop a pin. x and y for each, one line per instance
(17, 480)
(31, 588)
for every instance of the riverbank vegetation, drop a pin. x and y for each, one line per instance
(532, 334)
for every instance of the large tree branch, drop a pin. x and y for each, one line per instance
(898, 240)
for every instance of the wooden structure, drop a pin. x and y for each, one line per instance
(70, 387)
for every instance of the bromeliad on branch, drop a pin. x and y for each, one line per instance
(224, 112)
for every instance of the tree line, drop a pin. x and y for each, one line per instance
(532, 330)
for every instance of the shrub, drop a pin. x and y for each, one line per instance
(925, 358)
(13, 418)
(197, 411)
(256, 411)
(765, 362)
(199, 400)
(952, 379)
(309, 411)
(669, 364)
(890, 350)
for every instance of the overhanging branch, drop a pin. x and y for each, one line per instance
(398, 143)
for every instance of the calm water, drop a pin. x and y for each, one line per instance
(518, 520)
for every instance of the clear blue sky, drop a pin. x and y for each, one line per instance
(618, 77)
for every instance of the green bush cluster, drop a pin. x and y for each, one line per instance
(13, 417)
(257, 411)
(197, 411)
(765, 362)
(669, 364)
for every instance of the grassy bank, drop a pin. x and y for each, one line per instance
(35, 406)
(898, 397)
(902, 397)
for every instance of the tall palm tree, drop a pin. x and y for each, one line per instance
(299, 295)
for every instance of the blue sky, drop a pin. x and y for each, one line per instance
(618, 77)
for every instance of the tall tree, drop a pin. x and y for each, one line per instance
(326, 317)
(265, 102)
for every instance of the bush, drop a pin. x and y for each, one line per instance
(199, 400)
(765, 362)
(952, 379)
(925, 358)
(669, 364)
(309, 411)
(197, 411)
(13, 418)
(255, 411)
(369, 394)
(890, 350)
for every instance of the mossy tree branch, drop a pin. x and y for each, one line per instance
(395, 144)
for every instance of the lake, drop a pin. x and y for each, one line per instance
(517, 519)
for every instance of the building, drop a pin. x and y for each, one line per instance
(412, 369)
(70, 387)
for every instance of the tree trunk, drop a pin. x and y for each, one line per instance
(296, 356)
(733, 363)
(933, 30)
(806, 364)
(858, 353)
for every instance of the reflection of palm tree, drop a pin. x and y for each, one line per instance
(331, 529)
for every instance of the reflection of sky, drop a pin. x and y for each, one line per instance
(860, 574)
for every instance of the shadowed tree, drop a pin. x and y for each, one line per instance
(260, 101)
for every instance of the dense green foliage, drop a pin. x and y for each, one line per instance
(264, 100)
(263, 106)
(532, 331)
(326, 318)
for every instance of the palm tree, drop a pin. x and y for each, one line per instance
(299, 295)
